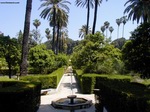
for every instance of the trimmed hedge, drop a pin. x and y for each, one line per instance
(47, 81)
(18, 96)
(87, 84)
(117, 92)
(121, 95)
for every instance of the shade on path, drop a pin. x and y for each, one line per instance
(64, 89)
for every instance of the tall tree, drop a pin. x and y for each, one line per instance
(124, 20)
(82, 31)
(89, 4)
(97, 3)
(106, 24)
(10, 50)
(111, 29)
(103, 29)
(47, 31)
(138, 10)
(118, 21)
(50, 12)
(24, 65)
(62, 21)
(36, 23)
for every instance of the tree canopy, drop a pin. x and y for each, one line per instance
(136, 52)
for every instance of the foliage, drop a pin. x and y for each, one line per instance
(61, 60)
(94, 55)
(10, 51)
(42, 60)
(118, 43)
(22, 96)
(127, 97)
(138, 10)
(136, 52)
(48, 81)
(3, 63)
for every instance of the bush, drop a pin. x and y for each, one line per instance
(120, 95)
(47, 81)
(18, 96)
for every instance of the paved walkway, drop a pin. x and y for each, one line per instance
(64, 89)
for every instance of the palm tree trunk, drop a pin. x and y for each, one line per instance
(123, 31)
(57, 40)
(95, 16)
(24, 65)
(53, 40)
(118, 32)
(88, 17)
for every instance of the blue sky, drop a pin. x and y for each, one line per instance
(12, 18)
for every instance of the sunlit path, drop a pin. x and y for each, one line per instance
(65, 88)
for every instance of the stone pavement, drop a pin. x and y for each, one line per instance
(64, 89)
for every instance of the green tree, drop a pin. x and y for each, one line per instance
(24, 64)
(95, 56)
(50, 12)
(41, 59)
(118, 21)
(48, 35)
(36, 23)
(88, 4)
(62, 21)
(10, 51)
(119, 43)
(82, 31)
(106, 24)
(138, 9)
(36, 33)
(136, 52)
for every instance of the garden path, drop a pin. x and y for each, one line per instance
(63, 90)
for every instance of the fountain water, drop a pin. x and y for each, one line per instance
(71, 102)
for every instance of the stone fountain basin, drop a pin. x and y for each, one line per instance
(64, 103)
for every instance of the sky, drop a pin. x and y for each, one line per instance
(12, 16)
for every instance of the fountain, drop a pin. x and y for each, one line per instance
(71, 102)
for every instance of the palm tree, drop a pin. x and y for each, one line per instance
(47, 31)
(89, 4)
(36, 33)
(36, 23)
(61, 21)
(138, 10)
(111, 29)
(106, 24)
(124, 20)
(97, 3)
(118, 21)
(82, 31)
(23, 66)
(103, 29)
(50, 12)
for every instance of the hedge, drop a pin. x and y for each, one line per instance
(47, 81)
(121, 95)
(18, 96)
(117, 92)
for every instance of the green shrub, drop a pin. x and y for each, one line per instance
(18, 96)
(88, 83)
(121, 95)
(47, 81)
